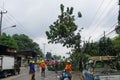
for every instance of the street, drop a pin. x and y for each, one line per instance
(50, 75)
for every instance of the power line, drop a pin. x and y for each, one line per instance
(100, 19)
(97, 12)
(110, 24)
(10, 16)
(101, 35)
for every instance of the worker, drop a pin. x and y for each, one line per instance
(32, 70)
(43, 65)
(68, 67)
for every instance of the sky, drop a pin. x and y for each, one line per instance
(33, 18)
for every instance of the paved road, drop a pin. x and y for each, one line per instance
(50, 75)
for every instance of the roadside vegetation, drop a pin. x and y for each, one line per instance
(66, 32)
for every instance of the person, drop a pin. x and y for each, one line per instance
(17, 65)
(65, 75)
(68, 67)
(55, 65)
(42, 65)
(32, 70)
(80, 64)
(90, 66)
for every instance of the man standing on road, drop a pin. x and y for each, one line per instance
(32, 70)
(43, 65)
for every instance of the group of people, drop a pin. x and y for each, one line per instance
(68, 67)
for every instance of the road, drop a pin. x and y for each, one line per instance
(50, 75)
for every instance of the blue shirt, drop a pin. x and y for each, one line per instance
(32, 68)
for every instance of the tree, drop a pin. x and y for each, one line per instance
(110, 48)
(116, 46)
(90, 48)
(63, 29)
(7, 40)
(57, 57)
(106, 47)
(25, 43)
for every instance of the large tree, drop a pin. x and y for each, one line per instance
(9, 41)
(25, 43)
(116, 46)
(90, 48)
(19, 42)
(106, 47)
(63, 29)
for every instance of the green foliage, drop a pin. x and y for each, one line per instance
(20, 43)
(50, 68)
(116, 43)
(76, 59)
(106, 47)
(25, 43)
(101, 48)
(7, 40)
(56, 57)
(62, 30)
(90, 48)
(60, 67)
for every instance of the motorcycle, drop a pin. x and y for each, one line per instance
(65, 75)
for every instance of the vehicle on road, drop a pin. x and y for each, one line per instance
(65, 75)
(102, 68)
(7, 66)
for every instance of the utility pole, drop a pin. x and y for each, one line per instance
(1, 16)
(44, 49)
(118, 26)
(104, 33)
(104, 38)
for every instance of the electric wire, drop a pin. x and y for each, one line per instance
(111, 19)
(8, 19)
(100, 19)
(101, 35)
(19, 24)
(94, 17)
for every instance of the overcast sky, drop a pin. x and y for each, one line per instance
(33, 18)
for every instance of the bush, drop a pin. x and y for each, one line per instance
(61, 66)
(50, 68)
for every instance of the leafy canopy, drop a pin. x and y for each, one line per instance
(25, 43)
(9, 41)
(62, 30)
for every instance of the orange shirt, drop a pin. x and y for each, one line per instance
(42, 65)
(68, 67)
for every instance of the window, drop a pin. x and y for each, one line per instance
(99, 64)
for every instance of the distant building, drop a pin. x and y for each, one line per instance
(22, 57)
